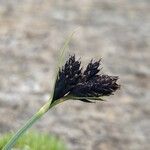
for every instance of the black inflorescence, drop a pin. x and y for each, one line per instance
(83, 85)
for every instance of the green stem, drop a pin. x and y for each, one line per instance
(29, 123)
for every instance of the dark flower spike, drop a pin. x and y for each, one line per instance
(91, 70)
(67, 77)
(99, 86)
(86, 86)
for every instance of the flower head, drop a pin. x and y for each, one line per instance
(85, 85)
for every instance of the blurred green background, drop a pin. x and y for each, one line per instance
(34, 141)
(32, 31)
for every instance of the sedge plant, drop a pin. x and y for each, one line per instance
(72, 82)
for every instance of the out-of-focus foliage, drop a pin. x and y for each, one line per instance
(35, 141)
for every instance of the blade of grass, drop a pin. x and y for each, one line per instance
(89, 98)
(61, 60)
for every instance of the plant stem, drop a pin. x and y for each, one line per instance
(29, 123)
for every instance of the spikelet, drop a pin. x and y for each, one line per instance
(67, 78)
